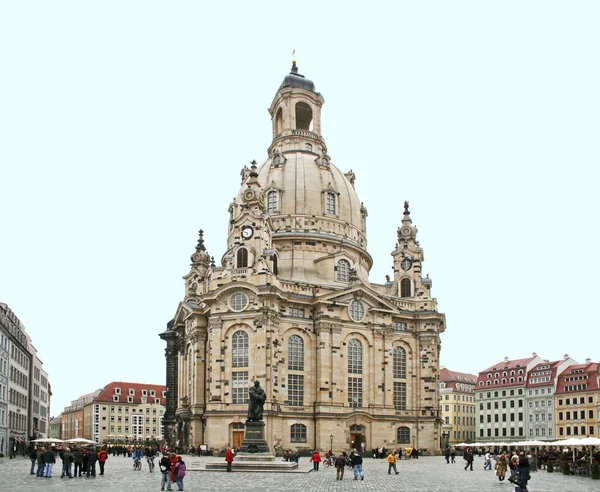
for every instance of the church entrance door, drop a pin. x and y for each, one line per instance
(238, 439)
(356, 440)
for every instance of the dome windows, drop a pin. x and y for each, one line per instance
(330, 203)
(238, 301)
(343, 271)
(272, 202)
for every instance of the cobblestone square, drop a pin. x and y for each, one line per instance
(427, 474)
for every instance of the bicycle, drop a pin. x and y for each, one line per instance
(137, 464)
(328, 462)
(150, 460)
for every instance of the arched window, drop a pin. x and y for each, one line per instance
(343, 271)
(355, 357)
(402, 435)
(405, 287)
(303, 116)
(275, 265)
(279, 122)
(242, 258)
(308, 147)
(298, 433)
(239, 346)
(330, 203)
(272, 198)
(399, 363)
(296, 353)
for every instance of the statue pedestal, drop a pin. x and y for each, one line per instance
(255, 455)
(254, 440)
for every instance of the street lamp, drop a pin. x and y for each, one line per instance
(331, 442)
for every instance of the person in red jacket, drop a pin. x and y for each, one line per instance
(173, 471)
(102, 457)
(316, 459)
(229, 458)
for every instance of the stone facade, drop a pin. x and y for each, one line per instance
(343, 361)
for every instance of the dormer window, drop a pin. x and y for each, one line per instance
(330, 203)
(343, 271)
(152, 393)
(272, 202)
(117, 391)
(115, 398)
(130, 399)
(131, 392)
(144, 393)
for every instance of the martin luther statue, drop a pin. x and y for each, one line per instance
(257, 400)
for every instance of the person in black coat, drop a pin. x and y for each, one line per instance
(49, 460)
(92, 458)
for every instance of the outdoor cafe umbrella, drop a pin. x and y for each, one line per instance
(80, 440)
(47, 439)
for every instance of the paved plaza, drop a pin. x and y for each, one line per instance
(427, 474)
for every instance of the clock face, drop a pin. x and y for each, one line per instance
(247, 232)
(406, 264)
(406, 231)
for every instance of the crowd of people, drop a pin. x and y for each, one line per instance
(75, 461)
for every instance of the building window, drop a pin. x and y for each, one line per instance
(355, 357)
(330, 203)
(343, 271)
(238, 301)
(399, 363)
(242, 258)
(239, 346)
(402, 435)
(356, 310)
(295, 353)
(399, 395)
(399, 326)
(355, 392)
(296, 312)
(295, 390)
(272, 202)
(239, 387)
(298, 433)
(308, 147)
(405, 287)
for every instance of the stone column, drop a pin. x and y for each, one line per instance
(171, 354)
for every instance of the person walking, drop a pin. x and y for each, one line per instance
(488, 461)
(501, 467)
(229, 458)
(522, 475)
(447, 454)
(453, 455)
(180, 472)
(49, 460)
(316, 459)
(164, 466)
(357, 461)
(468, 459)
(92, 458)
(392, 462)
(102, 457)
(340, 464)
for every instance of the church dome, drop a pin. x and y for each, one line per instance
(294, 79)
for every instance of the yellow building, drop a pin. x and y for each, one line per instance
(457, 406)
(343, 361)
(577, 400)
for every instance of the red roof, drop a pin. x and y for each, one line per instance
(589, 377)
(122, 391)
(539, 370)
(447, 376)
(505, 366)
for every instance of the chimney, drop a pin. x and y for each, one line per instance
(566, 356)
(505, 359)
(534, 355)
(588, 361)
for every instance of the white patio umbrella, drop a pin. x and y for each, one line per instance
(47, 439)
(80, 440)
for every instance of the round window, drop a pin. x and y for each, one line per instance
(238, 301)
(356, 310)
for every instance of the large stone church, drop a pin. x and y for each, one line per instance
(344, 362)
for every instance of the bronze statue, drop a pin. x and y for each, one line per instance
(257, 400)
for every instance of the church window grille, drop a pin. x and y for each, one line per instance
(239, 387)
(295, 389)
(330, 203)
(399, 395)
(297, 312)
(239, 345)
(399, 326)
(402, 435)
(355, 357)
(272, 198)
(355, 392)
(298, 433)
(242, 258)
(238, 301)
(399, 363)
(405, 288)
(356, 310)
(343, 271)
(295, 353)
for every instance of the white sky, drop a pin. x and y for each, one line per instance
(124, 126)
